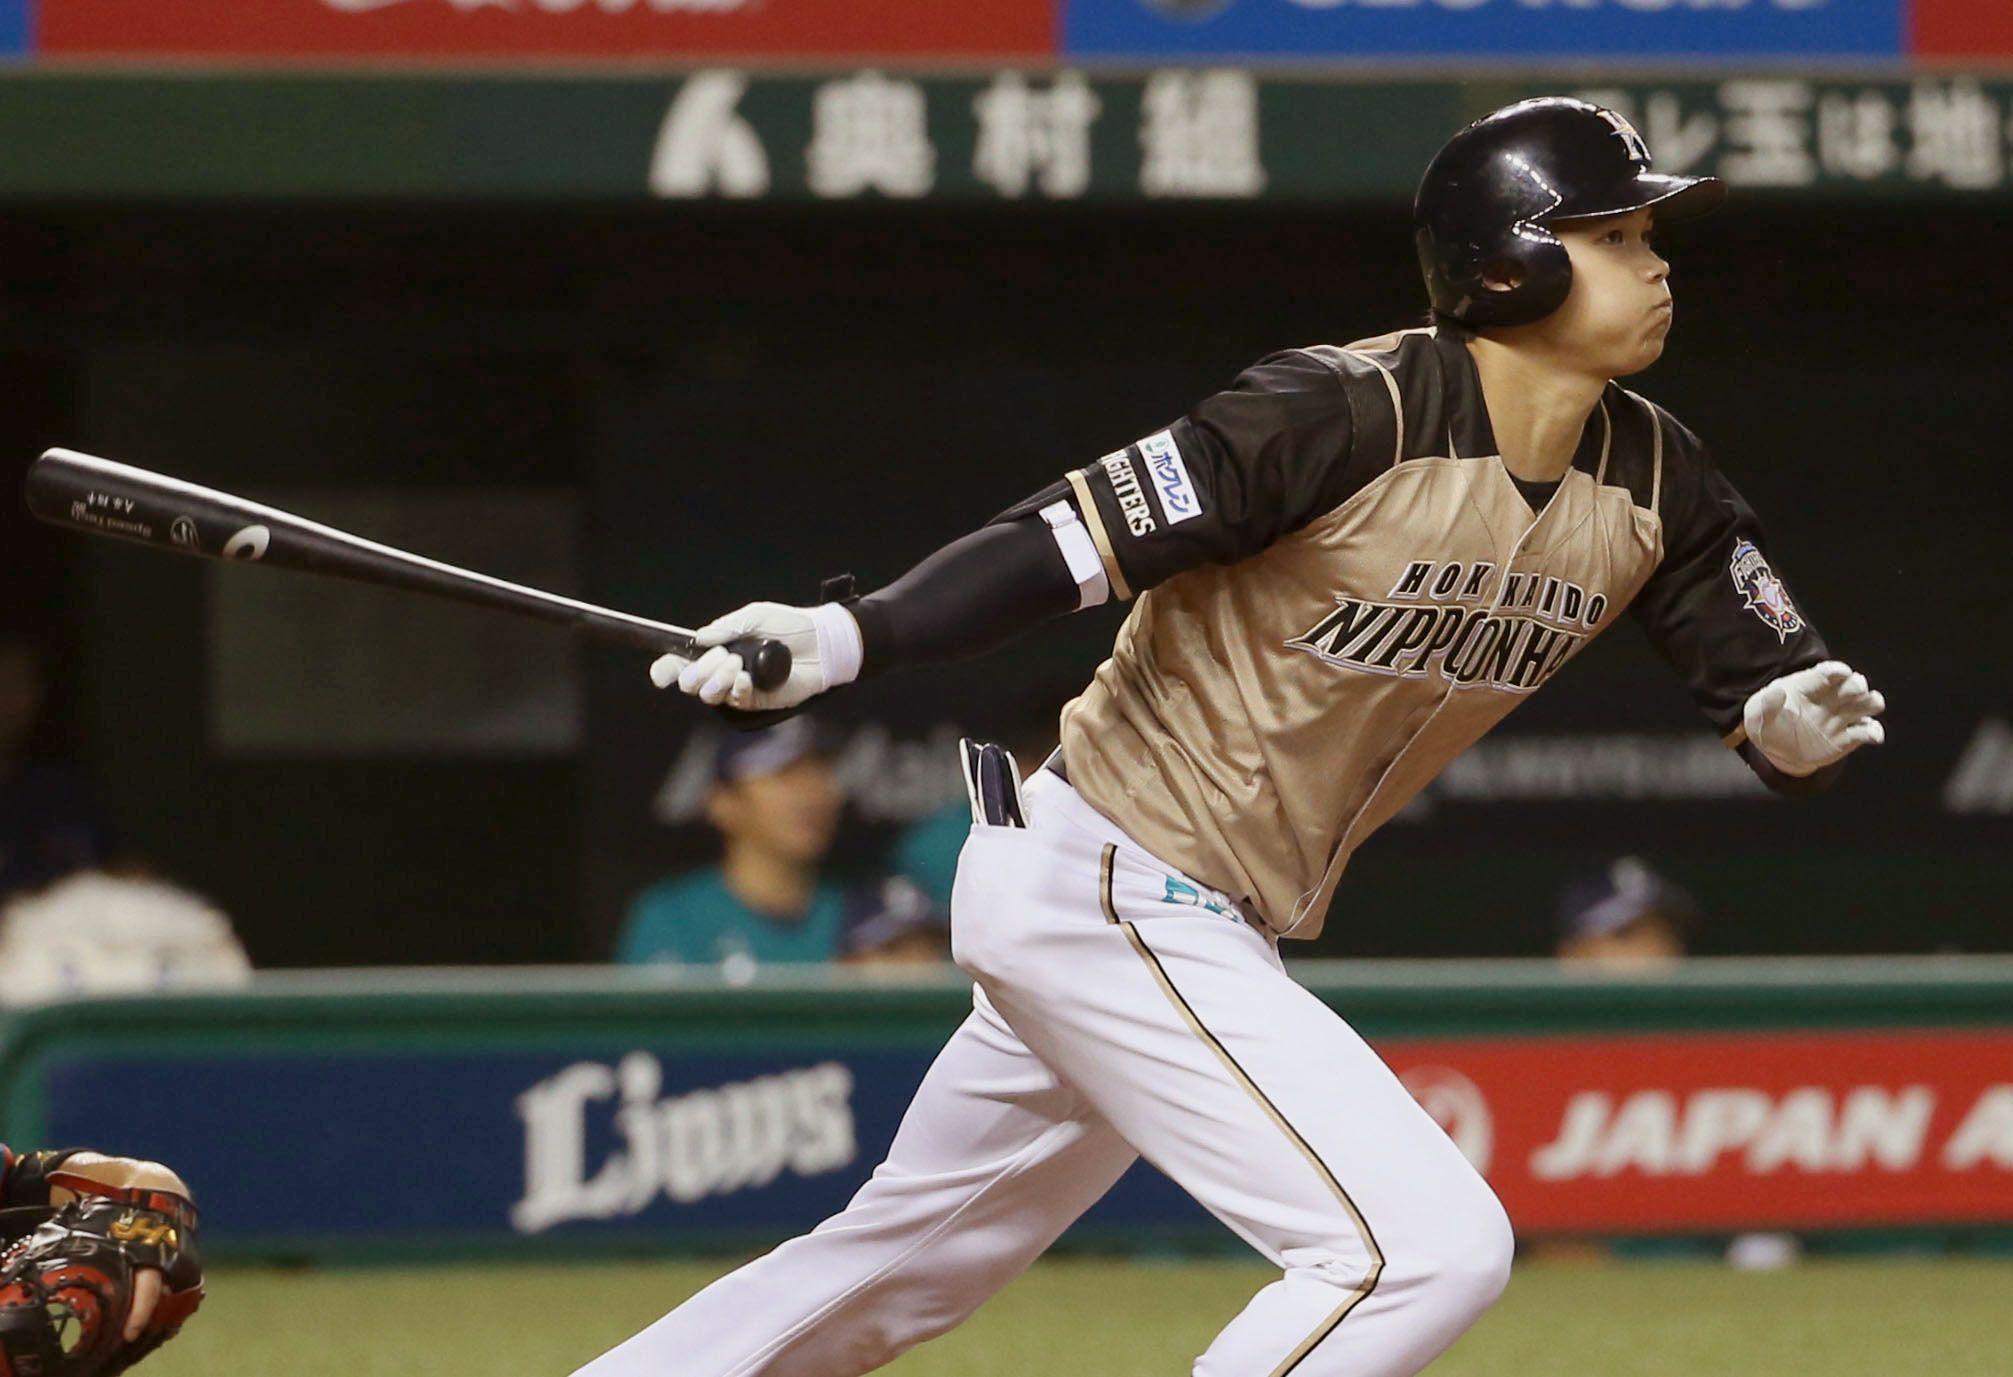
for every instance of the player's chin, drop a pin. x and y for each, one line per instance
(1643, 352)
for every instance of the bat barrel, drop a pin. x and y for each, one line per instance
(97, 496)
(104, 498)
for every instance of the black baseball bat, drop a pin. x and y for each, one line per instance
(99, 497)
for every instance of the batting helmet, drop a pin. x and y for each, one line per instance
(1489, 197)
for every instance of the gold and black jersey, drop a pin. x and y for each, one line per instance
(1340, 588)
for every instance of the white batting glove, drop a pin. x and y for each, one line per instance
(1805, 721)
(824, 644)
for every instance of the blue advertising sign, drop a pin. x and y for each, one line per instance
(13, 27)
(390, 1150)
(1495, 29)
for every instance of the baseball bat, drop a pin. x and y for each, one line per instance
(99, 497)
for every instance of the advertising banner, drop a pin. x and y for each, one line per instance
(1666, 1133)
(1343, 29)
(1962, 28)
(626, 29)
(1627, 1133)
(689, 1148)
(1177, 133)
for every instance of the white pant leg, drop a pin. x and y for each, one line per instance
(993, 1160)
(1183, 1030)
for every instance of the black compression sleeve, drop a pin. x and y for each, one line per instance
(976, 593)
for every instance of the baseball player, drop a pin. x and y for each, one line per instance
(98, 1262)
(1345, 569)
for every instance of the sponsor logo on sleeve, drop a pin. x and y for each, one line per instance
(1131, 497)
(1764, 592)
(1178, 497)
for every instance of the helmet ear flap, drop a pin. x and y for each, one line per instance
(1533, 258)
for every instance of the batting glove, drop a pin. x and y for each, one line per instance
(824, 645)
(1804, 721)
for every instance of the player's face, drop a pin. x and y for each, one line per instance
(1646, 944)
(1618, 313)
(791, 814)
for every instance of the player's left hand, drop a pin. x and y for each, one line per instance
(824, 645)
(1807, 720)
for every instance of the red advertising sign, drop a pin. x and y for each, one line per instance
(1963, 28)
(531, 29)
(1676, 1132)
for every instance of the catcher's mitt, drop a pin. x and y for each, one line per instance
(66, 1286)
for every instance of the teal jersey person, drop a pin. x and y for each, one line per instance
(776, 805)
(697, 919)
(928, 852)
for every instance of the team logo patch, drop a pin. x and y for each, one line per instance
(1765, 594)
(1178, 498)
(1181, 892)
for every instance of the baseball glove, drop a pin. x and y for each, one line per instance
(66, 1286)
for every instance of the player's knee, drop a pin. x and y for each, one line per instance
(1466, 1264)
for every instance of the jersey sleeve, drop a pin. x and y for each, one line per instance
(1244, 469)
(1716, 608)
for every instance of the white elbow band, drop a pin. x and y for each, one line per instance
(1092, 587)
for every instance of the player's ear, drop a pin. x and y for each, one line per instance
(1503, 275)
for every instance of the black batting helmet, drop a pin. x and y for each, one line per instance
(1488, 198)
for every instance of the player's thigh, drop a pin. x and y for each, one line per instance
(1182, 1029)
(993, 1131)
(1330, 1100)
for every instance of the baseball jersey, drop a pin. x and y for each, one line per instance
(696, 919)
(1340, 588)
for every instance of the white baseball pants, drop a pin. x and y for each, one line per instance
(1118, 1014)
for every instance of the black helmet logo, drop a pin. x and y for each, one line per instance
(1632, 139)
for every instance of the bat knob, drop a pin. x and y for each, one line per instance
(768, 661)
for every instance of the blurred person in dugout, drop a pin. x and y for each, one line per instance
(776, 803)
(1627, 918)
(77, 915)
(1631, 920)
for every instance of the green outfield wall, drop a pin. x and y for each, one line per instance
(559, 1111)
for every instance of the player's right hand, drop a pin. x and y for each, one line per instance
(824, 645)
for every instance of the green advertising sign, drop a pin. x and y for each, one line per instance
(1223, 134)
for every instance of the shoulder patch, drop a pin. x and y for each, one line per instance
(1766, 596)
(1179, 500)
